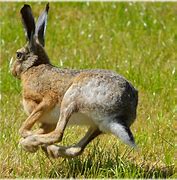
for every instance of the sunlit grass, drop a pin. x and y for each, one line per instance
(137, 40)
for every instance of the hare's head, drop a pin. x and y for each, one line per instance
(33, 53)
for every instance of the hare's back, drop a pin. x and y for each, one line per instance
(104, 91)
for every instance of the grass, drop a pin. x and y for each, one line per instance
(137, 40)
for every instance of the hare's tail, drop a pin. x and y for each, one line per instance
(121, 125)
(123, 132)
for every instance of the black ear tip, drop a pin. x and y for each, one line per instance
(47, 7)
(26, 6)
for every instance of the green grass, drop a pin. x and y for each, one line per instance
(137, 40)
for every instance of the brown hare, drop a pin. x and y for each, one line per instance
(103, 100)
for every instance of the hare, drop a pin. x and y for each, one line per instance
(100, 99)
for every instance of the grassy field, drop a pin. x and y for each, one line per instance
(137, 40)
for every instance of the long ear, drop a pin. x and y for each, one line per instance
(28, 21)
(41, 26)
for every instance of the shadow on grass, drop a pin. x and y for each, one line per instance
(100, 163)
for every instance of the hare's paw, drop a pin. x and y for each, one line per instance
(60, 151)
(29, 144)
(25, 133)
(51, 151)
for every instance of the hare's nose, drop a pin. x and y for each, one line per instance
(11, 62)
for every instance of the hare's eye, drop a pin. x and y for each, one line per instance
(19, 55)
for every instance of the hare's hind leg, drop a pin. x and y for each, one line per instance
(74, 150)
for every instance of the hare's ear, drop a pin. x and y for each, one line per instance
(28, 22)
(41, 26)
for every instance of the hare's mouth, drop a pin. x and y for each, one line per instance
(10, 63)
(12, 69)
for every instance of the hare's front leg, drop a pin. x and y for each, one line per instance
(31, 142)
(44, 106)
(44, 128)
(74, 150)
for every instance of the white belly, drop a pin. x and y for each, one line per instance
(89, 119)
(52, 117)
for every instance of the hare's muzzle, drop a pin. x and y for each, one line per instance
(12, 68)
(10, 64)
